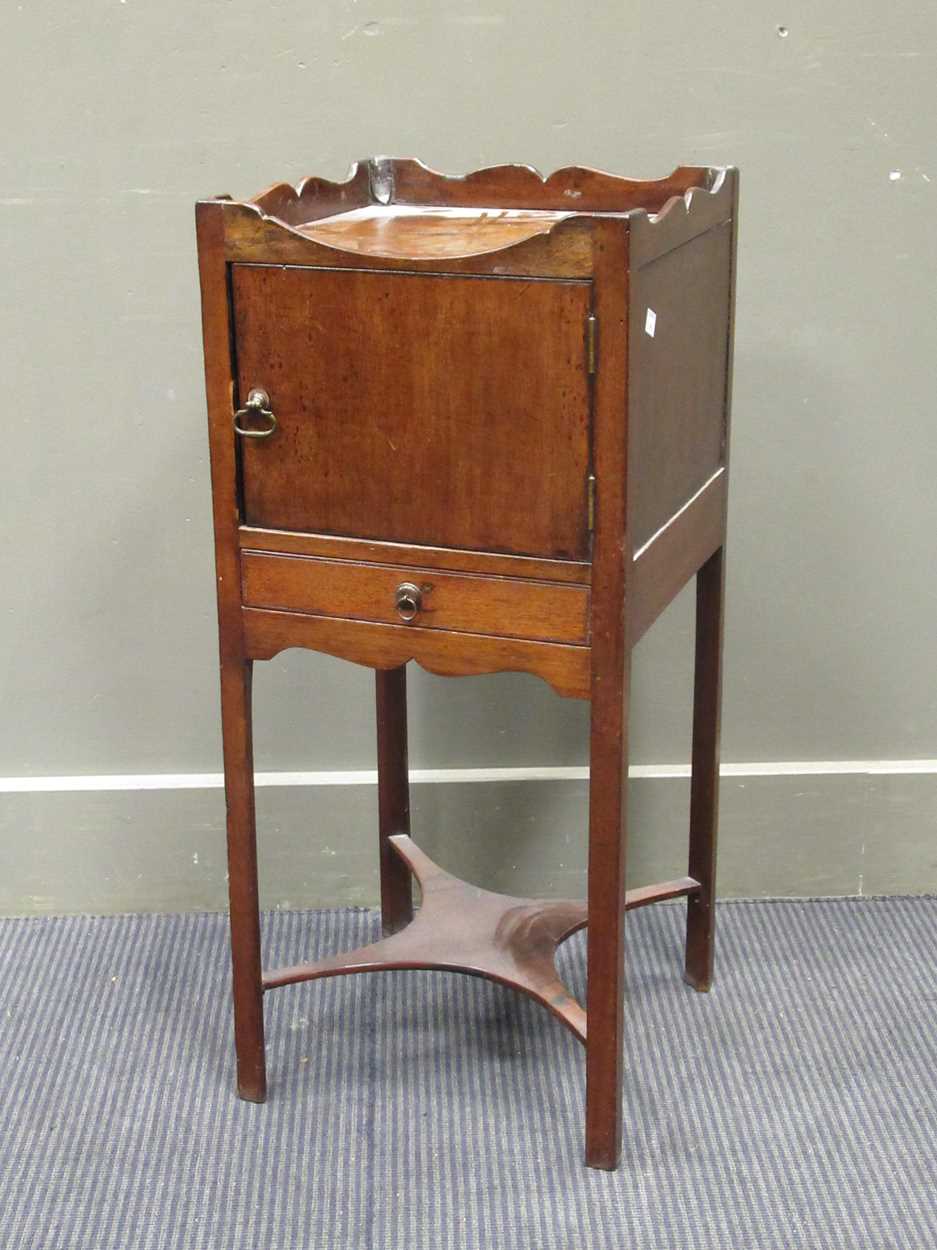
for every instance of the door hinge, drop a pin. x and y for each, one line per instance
(590, 501)
(592, 326)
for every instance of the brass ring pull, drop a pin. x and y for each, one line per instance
(408, 601)
(257, 405)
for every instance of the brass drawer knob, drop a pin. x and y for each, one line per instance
(256, 406)
(408, 601)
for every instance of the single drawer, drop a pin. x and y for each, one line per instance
(464, 602)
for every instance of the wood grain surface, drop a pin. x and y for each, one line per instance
(564, 667)
(677, 390)
(450, 601)
(430, 234)
(373, 551)
(400, 414)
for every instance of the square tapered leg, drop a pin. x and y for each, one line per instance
(704, 786)
(393, 796)
(608, 792)
(236, 679)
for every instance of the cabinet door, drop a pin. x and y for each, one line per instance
(418, 408)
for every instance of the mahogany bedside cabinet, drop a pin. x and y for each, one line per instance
(480, 423)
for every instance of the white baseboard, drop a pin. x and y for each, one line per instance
(156, 841)
(457, 776)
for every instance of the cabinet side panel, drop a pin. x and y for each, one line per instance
(679, 343)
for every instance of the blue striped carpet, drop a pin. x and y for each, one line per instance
(795, 1106)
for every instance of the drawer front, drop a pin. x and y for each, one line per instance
(425, 598)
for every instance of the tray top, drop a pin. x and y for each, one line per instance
(400, 208)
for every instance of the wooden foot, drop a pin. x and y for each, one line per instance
(704, 786)
(242, 880)
(393, 796)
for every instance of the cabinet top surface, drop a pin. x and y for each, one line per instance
(430, 231)
(400, 208)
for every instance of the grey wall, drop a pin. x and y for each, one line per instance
(118, 115)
